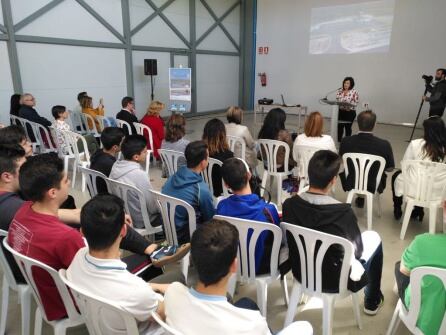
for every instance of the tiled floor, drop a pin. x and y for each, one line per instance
(344, 322)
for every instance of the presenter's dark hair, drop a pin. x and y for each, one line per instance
(39, 174)
(57, 110)
(323, 166)
(273, 123)
(366, 120)
(195, 153)
(102, 218)
(111, 136)
(235, 173)
(213, 248)
(435, 139)
(125, 101)
(351, 80)
(133, 145)
(9, 155)
(12, 135)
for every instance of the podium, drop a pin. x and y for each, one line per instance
(335, 115)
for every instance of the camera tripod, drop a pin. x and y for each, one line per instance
(418, 115)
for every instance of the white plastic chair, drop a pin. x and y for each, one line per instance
(23, 292)
(168, 330)
(246, 257)
(302, 155)
(30, 131)
(65, 152)
(142, 129)
(410, 316)
(311, 273)
(207, 176)
(81, 157)
(77, 122)
(237, 145)
(88, 119)
(92, 307)
(170, 159)
(15, 120)
(269, 150)
(91, 177)
(168, 207)
(361, 165)
(124, 124)
(42, 132)
(26, 265)
(123, 190)
(424, 185)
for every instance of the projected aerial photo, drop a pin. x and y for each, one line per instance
(354, 28)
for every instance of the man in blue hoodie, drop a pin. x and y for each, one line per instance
(188, 185)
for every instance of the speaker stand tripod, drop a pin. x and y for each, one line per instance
(418, 116)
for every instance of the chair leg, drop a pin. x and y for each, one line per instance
(327, 314)
(406, 219)
(264, 180)
(279, 190)
(432, 219)
(38, 322)
(350, 197)
(73, 180)
(394, 323)
(378, 202)
(284, 284)
(356, 311)
(369, 211)
(5, 300)
(262, 295)
(25, 301)
(294, 301)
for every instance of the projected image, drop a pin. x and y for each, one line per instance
(353, 28)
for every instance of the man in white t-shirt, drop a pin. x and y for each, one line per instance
(205, 309)
(98, 268)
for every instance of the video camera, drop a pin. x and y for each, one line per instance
(427, 79)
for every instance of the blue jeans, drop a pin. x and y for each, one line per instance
(374, 267)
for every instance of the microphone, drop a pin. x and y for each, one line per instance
(326, 96)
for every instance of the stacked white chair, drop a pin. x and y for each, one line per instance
(362, 164)
(302, 155)
(27, 265)
(23, 292)
(425, 186)
(81, 156)
(237, 145)
(410, 316)
(311, 273)
(170, 159)
(246, 257)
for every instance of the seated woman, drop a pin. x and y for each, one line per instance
(175, 131)
(214, 135)
(273, 128)
(313, 136)
(234, 115)
(432, 147)
(87, 108)
(153, 120)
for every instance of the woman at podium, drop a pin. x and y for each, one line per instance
(347, 114)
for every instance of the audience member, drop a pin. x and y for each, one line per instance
(432, 147)
(103, 159)
(28, 112)
(78, 107)
(98, 268)
(234, 115)
(15, 105)
(153, 120)
(87, 108)
(175, 131)
(214, 135)
(312, 136)
(60, 114)
(316, 209)
(188, 185)
(16, 135)
(366, 143)
(214, 254)
(130, 171)
(127, 114)
(273, 128)
(243, 204)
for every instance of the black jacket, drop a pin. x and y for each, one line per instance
(216, 173)
(334, 219)
(30, 114)
(102, 162)
(437, 98)
(127, 117)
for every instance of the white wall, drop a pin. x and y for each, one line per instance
(391, 82)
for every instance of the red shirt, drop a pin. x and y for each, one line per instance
(48, 240)
(156, 125)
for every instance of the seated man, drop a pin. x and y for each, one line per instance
(316, 209)
(365, 142)
(98, 268)
(244, 204)
(214, 255)
(103, 159)
(28, 112)
(127, 114)
(130, 171)
(188, 185)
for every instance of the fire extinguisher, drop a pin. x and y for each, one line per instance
(262, 76)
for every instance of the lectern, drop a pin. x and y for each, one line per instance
(334, 114)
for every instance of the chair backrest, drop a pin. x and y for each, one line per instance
(410, 316)
(207, 175)
(27, 265)
(15, 120)
(88, 120)
(142, 129)
(71, 139)
(44, 138)
(30, 131)
(269, 150)
(123, 191)
(170, 159)
(124, 124)
(302, 155)
(168, 330)
(237, 145)
(250, 230)
(362, 164)
(92, 307)
(423, 180)
(62, 150)
(168, 206)
(91, 177)
(311, 262)
(77, 122)
(7, 272)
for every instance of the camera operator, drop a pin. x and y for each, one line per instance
(437, 98)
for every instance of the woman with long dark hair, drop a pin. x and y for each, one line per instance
(347, 114)
(432, 147)
(15, 105)
(214, 135)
